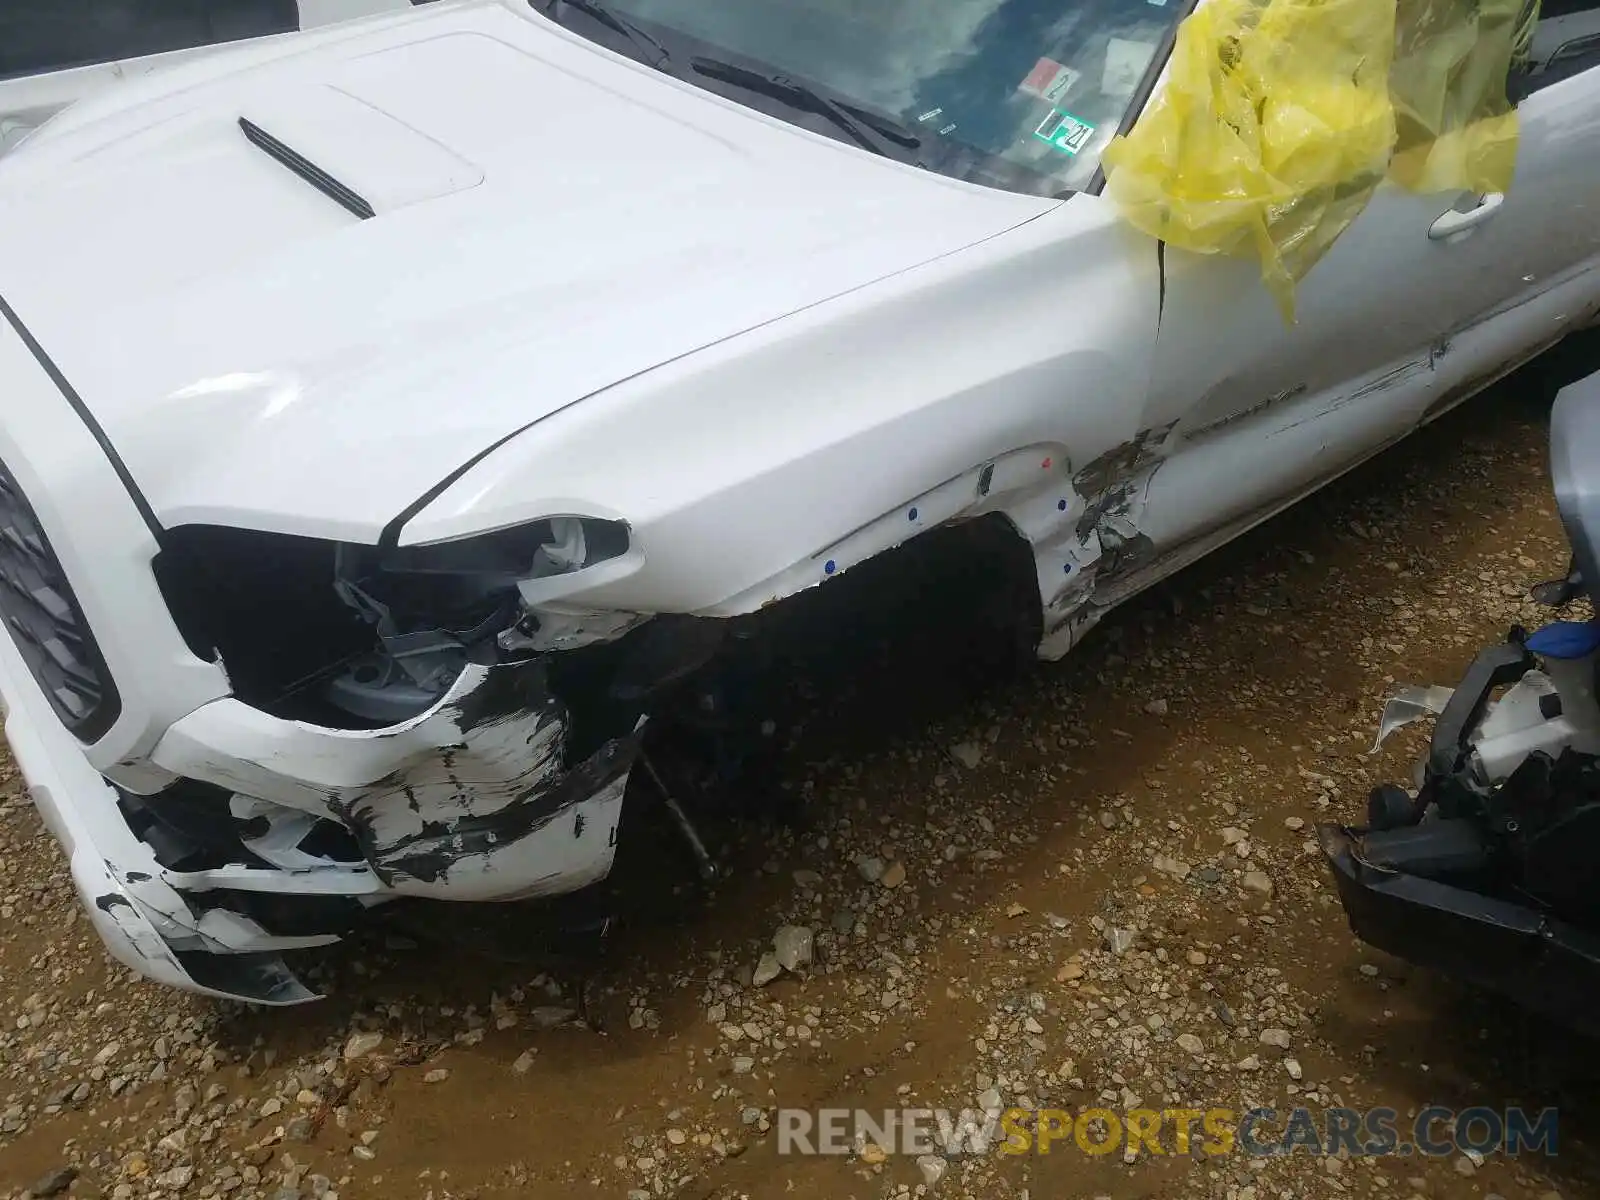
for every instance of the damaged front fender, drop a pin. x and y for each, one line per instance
(472, 799)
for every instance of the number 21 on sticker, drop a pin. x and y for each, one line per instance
(1065, 132)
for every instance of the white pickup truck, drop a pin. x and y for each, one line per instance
(403, 421)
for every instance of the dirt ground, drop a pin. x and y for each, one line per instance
(1093, 885)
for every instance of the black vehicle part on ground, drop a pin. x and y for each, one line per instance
(1548, 965)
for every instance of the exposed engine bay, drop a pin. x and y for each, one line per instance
(1485, 870)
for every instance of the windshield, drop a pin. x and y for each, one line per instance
(1020, 94)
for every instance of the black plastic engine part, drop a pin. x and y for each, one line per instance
(1549, 966)
(1433, 850)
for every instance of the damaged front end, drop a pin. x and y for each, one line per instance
(1486, 869)
(405, 721)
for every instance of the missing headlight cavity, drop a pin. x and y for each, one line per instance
(358, 636)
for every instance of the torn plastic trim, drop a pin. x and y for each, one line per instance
(148, 927)
(1082, 527)
(1409, 705)
(1031, 484)
(470, 800)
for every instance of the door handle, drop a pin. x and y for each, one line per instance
(1453, 222)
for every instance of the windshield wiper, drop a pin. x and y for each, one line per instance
(867, 130)
(597, 11)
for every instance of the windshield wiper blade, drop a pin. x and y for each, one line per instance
(596, 10)
(867, 130)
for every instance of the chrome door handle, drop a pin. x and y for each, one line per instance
(1453, 222)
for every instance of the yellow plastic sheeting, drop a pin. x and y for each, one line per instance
(1280, 118)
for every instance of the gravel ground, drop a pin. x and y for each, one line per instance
(1094, 885)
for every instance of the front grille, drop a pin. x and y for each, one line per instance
(38, 606)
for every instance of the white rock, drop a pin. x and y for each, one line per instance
(1258, 881)
(793, 944)
(548, 1016)
(1292, 1065)
(968, 754)
(933, 1168)
(524, 1063)
(1232, 836)
(361, 1044)
(1275, 1037)
(1168, 865)
(766, 970)
(1191, 1043)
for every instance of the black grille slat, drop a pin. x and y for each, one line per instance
(46, 622)
(53, 603)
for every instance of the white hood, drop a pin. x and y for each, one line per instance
(550, 219)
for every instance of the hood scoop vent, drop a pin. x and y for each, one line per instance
(309, 171)
(362, 158)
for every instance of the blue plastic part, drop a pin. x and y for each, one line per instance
(1566, 639)
(829, 567)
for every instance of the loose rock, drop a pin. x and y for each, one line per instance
(55, 1182)
(361, 1044)
(767, 969)
(793, 946)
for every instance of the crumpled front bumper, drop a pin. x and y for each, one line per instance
(468, 801)
(206, 837)
(116, 876)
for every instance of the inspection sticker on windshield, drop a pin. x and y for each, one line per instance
(1049, 80)
(1065, 132)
